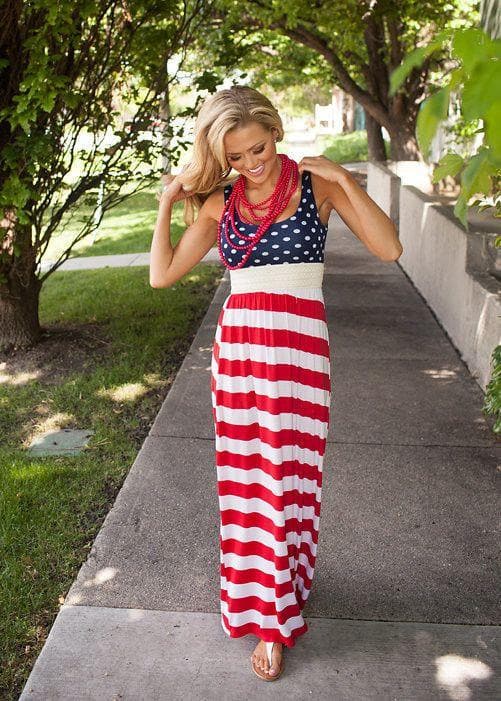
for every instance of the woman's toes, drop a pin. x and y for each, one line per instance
(260, 659)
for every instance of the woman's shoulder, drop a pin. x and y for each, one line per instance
(216, 201)
(224, 186)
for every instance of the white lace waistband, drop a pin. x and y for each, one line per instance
(278, 276)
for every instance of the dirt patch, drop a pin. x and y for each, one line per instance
(61, 351)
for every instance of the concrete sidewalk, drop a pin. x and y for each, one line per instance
(119, 260)
(404, 603)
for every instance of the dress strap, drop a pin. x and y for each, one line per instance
(227, 191)
(309, 198)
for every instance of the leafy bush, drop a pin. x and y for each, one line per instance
(345, 148)
(476, 79)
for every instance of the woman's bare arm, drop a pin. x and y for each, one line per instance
(356, 208)
(167, 263)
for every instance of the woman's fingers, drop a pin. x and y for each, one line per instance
(172, 189)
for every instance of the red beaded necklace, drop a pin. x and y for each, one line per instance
(275, 204)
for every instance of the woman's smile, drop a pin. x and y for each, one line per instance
(257, 171)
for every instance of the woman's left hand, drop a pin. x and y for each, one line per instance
(324, 167)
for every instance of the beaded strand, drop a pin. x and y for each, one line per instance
(276, 203)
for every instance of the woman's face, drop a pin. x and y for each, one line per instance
(251, 151)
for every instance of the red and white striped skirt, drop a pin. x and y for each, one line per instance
(271, 390)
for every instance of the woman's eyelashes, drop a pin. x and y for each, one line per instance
(237, 158)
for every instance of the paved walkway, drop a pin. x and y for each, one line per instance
(121, 260)
(405, 598)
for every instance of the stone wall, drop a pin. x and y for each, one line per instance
(458, 272)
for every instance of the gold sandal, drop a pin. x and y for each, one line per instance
(264, 675)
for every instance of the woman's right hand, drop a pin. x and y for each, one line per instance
(172, 190)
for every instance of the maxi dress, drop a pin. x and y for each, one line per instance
(271, 391)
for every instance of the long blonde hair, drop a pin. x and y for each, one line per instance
(223, 110)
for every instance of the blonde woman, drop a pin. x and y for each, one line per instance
(270, 380)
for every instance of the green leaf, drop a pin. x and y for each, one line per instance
(456, 78)
(14, 193)
(461, 210)
(449, 164)
(475, 177)
(413, 60)
(469, 46)
(482, 90)
(47, 100)
(23, 217)
(492, 123)
(432, 111)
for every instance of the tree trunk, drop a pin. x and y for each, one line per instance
(19, 322)
(404, 146)
(375, 141)
(165, 115)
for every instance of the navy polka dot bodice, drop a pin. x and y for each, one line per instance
(297, 239)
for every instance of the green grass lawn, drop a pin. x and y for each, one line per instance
(127, 228)
(114, 349)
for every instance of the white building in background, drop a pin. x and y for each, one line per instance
(343, 114)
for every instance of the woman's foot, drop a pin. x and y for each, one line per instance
(260, 659)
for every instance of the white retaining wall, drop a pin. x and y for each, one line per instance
(457, 272)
